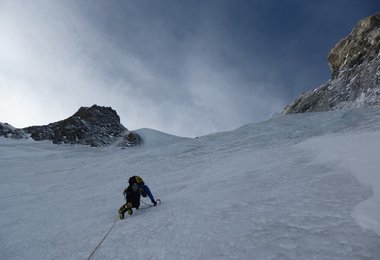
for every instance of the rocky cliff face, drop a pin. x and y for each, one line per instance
(8, 131)
(95, 126)
(355, 80)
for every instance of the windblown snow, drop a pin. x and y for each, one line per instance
(302, 186)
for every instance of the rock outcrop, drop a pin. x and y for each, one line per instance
(355, 80)
(8, 131)
(95, 126)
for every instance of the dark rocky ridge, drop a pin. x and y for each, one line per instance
(95, 126)
(355, 80)
(8, 131)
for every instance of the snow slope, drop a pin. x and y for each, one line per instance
(303, 186)
(154, 138)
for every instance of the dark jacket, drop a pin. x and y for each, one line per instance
(132, 195)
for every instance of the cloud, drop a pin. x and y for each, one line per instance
(53, 62)
(186, 68)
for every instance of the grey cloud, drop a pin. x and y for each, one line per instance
(182, 67)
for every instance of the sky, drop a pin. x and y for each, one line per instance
(187, 68)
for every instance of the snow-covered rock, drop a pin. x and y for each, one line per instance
(355, 81)
(9, 131)
(95, 126)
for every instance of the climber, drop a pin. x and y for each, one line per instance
(132, 193)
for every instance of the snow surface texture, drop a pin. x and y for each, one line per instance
(303, 186)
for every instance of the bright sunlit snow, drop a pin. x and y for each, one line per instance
(302, 187)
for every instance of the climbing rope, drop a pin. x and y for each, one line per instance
(109, 231)
(146, 203)
(149, 205)
(102, 239)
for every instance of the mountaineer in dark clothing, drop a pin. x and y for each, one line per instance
(132, 193)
